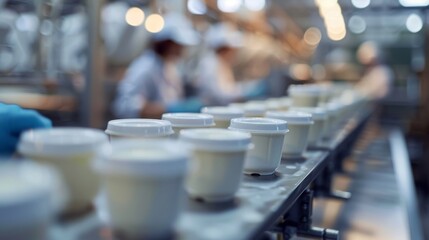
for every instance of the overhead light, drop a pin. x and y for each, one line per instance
(333, 18)
(229, 6)
(197, 7)
(361, 3)
(134, 16)
(414, 3)
(357, 24)
(312, 36)
(337, 36)
(154, 23)
(414, 23)
(255, 5)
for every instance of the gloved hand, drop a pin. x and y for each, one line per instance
(13, 121)
(189, 105)
(259, 90)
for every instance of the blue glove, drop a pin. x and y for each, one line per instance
(189, 105)
(13, 121)
(257, 91)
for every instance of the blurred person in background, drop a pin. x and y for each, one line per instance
(13, 121)
(153, 84)
(378, 77)
(215, 78)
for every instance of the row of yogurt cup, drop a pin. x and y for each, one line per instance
(143, 177)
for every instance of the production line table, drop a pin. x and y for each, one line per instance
(339, 146)
(281, 202)
(260, 202)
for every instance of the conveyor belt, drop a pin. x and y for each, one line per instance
(383, 205)
(260, 202)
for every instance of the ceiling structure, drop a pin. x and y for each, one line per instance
(384, 21)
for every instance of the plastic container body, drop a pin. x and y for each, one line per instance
(215, 175)
(143, 185)
(143, 206)
(217, 162)
(296, 140)
(266, 155)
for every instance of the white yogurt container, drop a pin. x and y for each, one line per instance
(273, 104)
(299, 127)
(320, 116)
(217, 162)
(285, 103)
(30, 195)
(143, 183)
(254, 109)
(334, 114)
(304, 95)
(239, 105)
(181, 121)
(267, 138)
(138, 128)
(326, 132)
(70, 151)
(223, 115)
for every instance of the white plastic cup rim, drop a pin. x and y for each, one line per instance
(62, 141)
(189, 119)
(305, 90)
(254, 109)
(223, 113)
(216, 139)
(291, 117)
(259, 125)
(143, 157)
(138, 127)
(317, 113)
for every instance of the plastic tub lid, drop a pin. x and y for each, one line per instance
(285, 101)
(313, 90)
(237, 105)
(223, 113)
(29, 193)
(215, 139)
(189, 119)
(138, 127)
(254, 109)
(317, 113)
(273, 104)
(256, 102)
(291, 117)
(143, 157)
(61, 141)
(259, 125)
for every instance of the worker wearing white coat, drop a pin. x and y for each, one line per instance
(377, 80)
(215, 77)
(153, 84)
(215, 81)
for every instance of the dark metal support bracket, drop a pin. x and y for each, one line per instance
(298, 221)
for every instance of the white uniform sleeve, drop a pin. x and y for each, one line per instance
(208, 83)
(133, 91)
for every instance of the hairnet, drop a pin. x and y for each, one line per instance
(224, 35)
(178, 29)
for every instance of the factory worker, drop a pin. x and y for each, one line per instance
(153, 83)
(13, 121)
(377, 79)
(215, 78)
